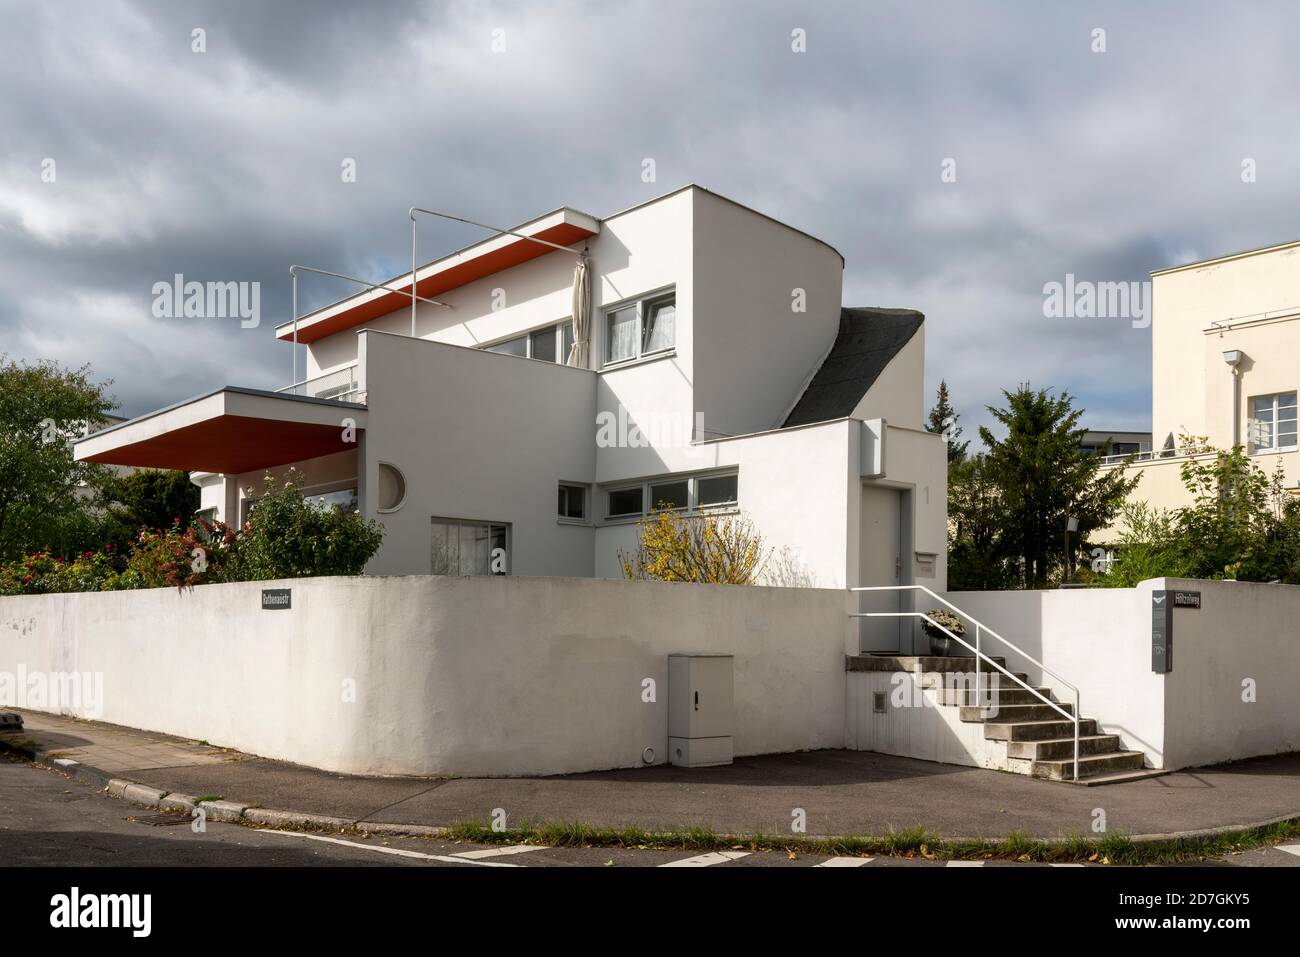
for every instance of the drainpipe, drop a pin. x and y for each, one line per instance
(1233, 358)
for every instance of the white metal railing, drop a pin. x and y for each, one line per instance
(341, 385)
(980, 629)
(1152, 455)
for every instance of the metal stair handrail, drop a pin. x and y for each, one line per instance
(980, 628)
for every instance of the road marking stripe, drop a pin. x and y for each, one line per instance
(395, 851)
(1290, 848)
(965, 863)
(500, 851)
(708, 860)
(845, 862)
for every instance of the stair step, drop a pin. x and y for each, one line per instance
(1016, 713)
(1091, 765)
(1120, 777)
(1005, 693)
(1002, 730)
(1062, 749)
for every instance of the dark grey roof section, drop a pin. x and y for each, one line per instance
(868, 339)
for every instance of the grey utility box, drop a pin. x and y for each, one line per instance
(700, 710)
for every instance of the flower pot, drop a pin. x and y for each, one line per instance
(940, 645)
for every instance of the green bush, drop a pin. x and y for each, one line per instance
(1242, 525)
(286, 536)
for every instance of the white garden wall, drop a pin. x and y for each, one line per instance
(471, 676)
(1100, 640)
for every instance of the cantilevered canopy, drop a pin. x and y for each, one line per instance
(231, 430)
(563, 227)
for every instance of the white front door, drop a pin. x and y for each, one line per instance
(880, 562)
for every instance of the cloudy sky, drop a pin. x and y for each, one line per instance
(226, 164)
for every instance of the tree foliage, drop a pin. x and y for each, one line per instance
(1009, 506)
(943, 421)
(286, 536)
(1242, 524)
(45, 494)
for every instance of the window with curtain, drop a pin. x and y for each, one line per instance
(1273, 422)
(659, 320)
(621, 334)
(469, 548)
(641, 328)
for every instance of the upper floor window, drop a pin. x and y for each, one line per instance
(641, 328)
(550, 344)
(1273, 422)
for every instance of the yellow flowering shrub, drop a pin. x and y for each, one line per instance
(709, 549)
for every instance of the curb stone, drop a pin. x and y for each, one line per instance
(142, 794)
(228, 811)
(274, 818)
(177, 802)
(238, 812)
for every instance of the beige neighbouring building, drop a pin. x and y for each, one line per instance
(1225, 365)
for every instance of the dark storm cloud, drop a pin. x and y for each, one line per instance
(225, 165)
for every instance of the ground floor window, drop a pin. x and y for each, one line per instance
(714, 490)
(462, 547)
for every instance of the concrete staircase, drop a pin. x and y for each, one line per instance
(1021, 733)
(1040, 741)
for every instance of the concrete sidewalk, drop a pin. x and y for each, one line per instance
(842, 792)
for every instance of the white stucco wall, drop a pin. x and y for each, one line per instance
(1100, 640)
(752, 350)
(1244, 632)
(477, 436)
(471, 676)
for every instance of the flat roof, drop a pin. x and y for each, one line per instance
(1227, 257)
(564, 226)
(230, 430)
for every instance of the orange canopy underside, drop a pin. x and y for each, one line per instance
(461, 274)
(230, 444)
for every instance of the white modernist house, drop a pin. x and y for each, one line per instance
(716, 370)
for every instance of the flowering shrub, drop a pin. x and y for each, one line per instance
(42, 573)
(710, 549)
(286, 536)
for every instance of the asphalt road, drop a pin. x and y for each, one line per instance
(47, 819)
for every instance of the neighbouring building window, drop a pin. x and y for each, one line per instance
(573, 502)
(463, 547)
(549, 344)
(641, 328)
(1273, 422)
(694, 492)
